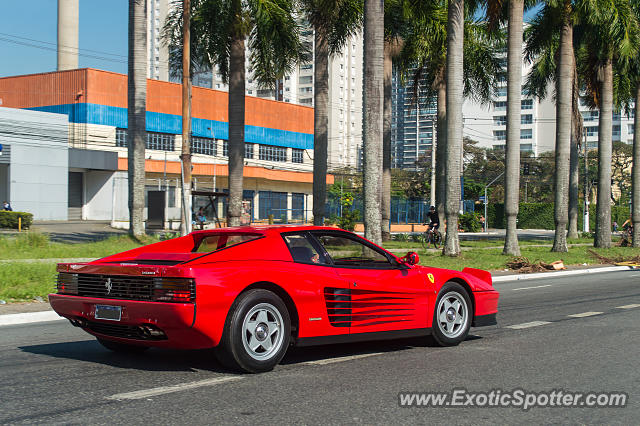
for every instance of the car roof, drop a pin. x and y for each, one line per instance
(268, 229)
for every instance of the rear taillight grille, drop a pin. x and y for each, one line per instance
(156, 289)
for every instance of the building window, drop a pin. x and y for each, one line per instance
(526, 147)
(502, 91)
(500, 106)
(248, 150)
(591, 130)
(306, 66)
(274, 203)
(526, 119)
(297, 206)
(306, 89)
(272, 153)
(297, 155)
(160, 141)
(201, 145)
(500, 135)
(500, 120)
(225, 148)
(121, 137)
(306, 101)
(306, 79)
(631, 129)
(615, 132)
(526, 134)
(527, 104)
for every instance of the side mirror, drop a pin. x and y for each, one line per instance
(410, 258)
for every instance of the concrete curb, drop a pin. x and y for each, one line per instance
(519, 277)
(29, 317)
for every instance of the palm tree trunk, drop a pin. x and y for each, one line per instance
(635, 176)
(372, 117)
(385, 229)
(576, 137)
(455, 58)
(603, 208)
(514, 104)
(564, 101)
(441, 147)
(185, 212)
(136, 113)
(320, 126)
(236, 129)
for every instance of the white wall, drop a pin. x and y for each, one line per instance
(98, 194)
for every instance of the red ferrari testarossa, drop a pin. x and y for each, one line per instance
(251, 292)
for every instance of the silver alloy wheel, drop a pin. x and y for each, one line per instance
(453, 314)
(262, 331)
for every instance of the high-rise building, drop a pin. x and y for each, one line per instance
(158, 53)
(413, 121)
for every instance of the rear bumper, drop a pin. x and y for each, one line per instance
(176, 320)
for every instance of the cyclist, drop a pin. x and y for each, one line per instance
(434, 219)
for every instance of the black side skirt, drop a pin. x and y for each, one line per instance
(363, 337)
(484, 320)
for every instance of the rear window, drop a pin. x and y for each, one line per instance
(219, 241)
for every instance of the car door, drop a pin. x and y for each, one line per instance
(383, 294)
(322, 294)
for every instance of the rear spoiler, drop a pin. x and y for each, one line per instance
(479, 273)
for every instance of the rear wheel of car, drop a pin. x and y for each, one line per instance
(452, 315)
(256, 333)
(122, 347)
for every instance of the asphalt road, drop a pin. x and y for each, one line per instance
(54, 373)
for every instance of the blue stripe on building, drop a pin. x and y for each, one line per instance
(171, 123)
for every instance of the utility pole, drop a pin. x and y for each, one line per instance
(486, 203)
(185, 157)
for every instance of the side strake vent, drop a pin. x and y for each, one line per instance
(360, 308)
(338, 301)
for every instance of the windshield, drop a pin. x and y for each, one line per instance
(215, 242)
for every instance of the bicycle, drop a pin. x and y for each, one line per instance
(431, 237)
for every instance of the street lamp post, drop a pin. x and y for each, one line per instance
(486, 202)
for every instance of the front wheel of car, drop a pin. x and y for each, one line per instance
(256, 333)
(452, 315)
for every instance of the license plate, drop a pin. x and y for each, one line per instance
(107, 312)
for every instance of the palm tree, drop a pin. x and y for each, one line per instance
(372, 117)
(634, 75)
(136, 113)
(610, 36)
(219, 31)
(334, 22)
(423, 57)
(515, 16)
(455, 87)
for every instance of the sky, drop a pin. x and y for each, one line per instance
(28, 23)
(28, 35)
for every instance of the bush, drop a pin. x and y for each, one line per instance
(401, 237)
(349, 219)
(10, 219)
(470, 222)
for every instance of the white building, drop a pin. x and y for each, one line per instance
(158, 53)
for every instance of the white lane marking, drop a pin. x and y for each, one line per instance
(29, 317)
(340, 359)
(634, 305)
(529, 288)
(528, 324)
(146, 393)
(584, 314)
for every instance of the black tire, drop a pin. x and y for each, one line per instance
(446, 330)
(257, 317)
(122, 347)
(437, 239)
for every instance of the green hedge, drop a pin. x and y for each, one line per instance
(540, 215)
(10, 219)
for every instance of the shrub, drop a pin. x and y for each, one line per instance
(401, 237)
(349, 219)
(470, 222)
(10, 219)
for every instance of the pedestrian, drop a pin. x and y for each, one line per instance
(201, 218)
(615, 226)
(6, 206)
